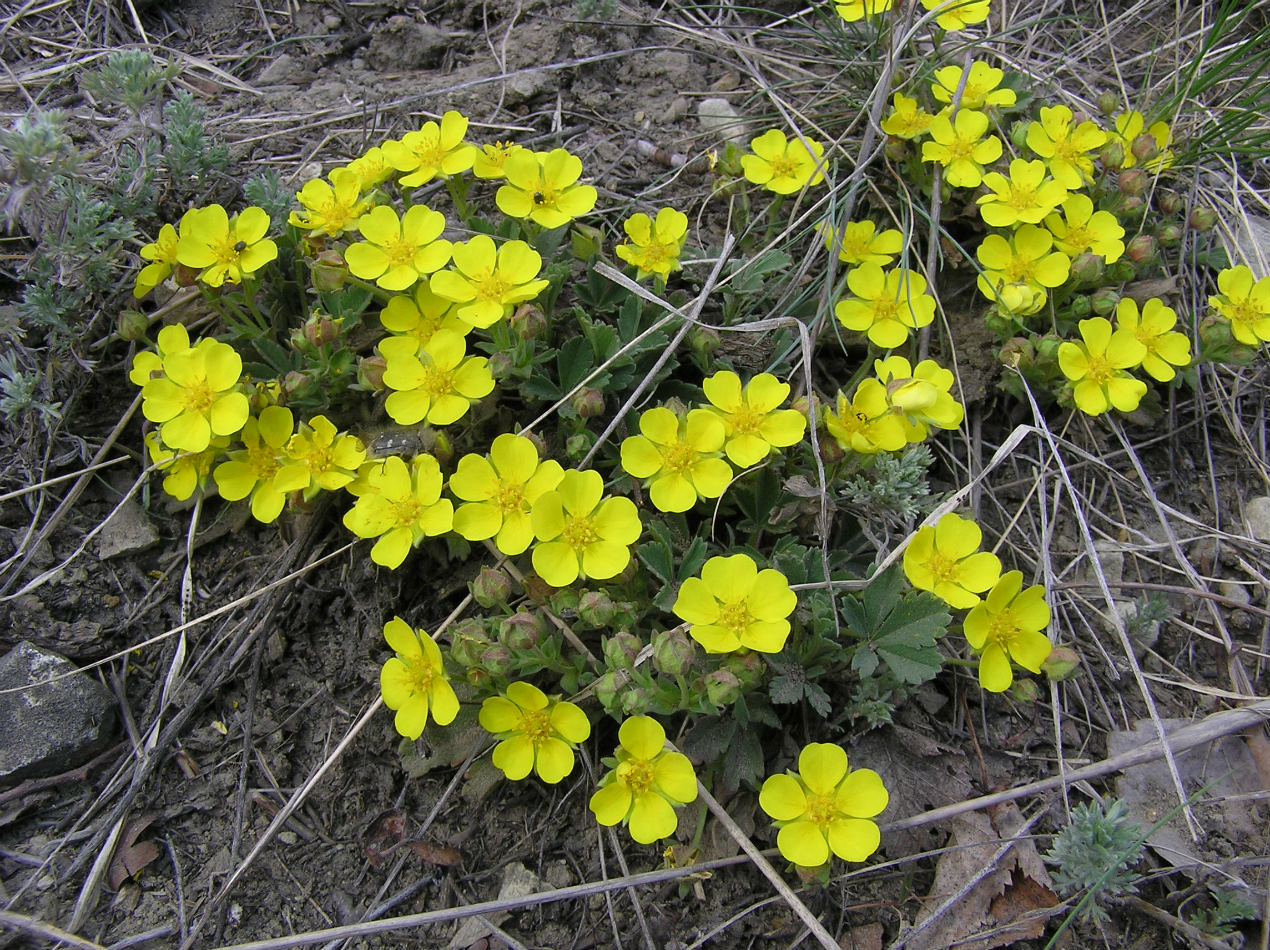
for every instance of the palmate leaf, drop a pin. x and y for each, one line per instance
(899, 630)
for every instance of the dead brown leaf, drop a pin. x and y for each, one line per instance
(436, 854)
(384, 836)
(132, 855)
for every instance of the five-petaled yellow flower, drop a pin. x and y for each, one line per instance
(1099, 367)
(544, 188)
(580, 532)
(1129, 126)
(330, 207)
(960, 146)
(733, 605)
(944, 558)
(536, 734)
(1026, 197)
(398, 250)
(1245, 302)
(490, 159)
(1026, 258)
(860, 242)
(653, 245)
(371, 168)
(1153, 328)
(161, 253)
(852, 11)
(500, 491)
(400, 505)
(198, 396)
(148, 364)
(1065, 149)
(251, 469)
(825, 808)
(752, 422)
(1007, 626)
(921, 393)
(419, 314)
(865, 423)
(646, 783)
(319, 458)
(888, 306)
(1080, 228)
(183, 472)
(981, 89)
(487, 282)
(414, 682)
(438, 384)
(224, 248)
(783, 165)
(678, 457)
(906, 120)
(432, 151)
(953, 15)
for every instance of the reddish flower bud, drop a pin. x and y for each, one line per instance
(328, 271)
(1112, 155)
(491, 588)
(521, 631)
(1142, 250)
(1061, 664)
(1134, 181)
(1088, 269)
(673, 652)
(722, 688)
(1145, 147)
(588, 402)
(596, 608)
(1103, 301)
(1169, 235)
(1201, 219)
(1108, 103)
(370, 372)
(528, 322)
(621, 649)
(1170, 202)
(133, 325)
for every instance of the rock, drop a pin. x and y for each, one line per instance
(518, 881)
(281, 70)
(1249, 242)
(720, 119)
(405, 44)
(49, 727)
(1257, 517)
(129, 531)
(1110, 556)
(523, 86)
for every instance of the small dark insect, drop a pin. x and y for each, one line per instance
(539, 198)
(405, 441)
(240, 247)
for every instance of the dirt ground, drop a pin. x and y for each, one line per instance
(268, 690)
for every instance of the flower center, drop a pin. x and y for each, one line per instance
(638, 775)
(1021, 197)
(437, 381)
(943, 568)
(400, 252)
(746, 420)
(490, 286)
(784, 167)
(677, 458)
(263, 461)
(1100, 369)
(578, 532)
(420, 674)
(227, 250)
(1080, 237)
(509, 498)
(886, 308)
(1001, 629)
(821, 809)
(536, 726)
(736, 616)
(199, 397)
(406, 513)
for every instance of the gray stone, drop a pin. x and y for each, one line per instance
(129, 531)
(281, 70)
(49, 727)
(404, 43)
(719, 119)
(1257, 516)
(523, 86)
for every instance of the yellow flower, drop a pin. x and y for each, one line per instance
(198, 396)
(544, 188)
(953, 15)
(752, 423)
(537, 734)
(400, 505)
(653, 245)
(398, 251)
(824, 808)
(907, 120)
(1026, 197)
(1066, 149)
(418, 315)
(371, 168)
(438, 384)
(161, 252)
(646, 783)
(733, 605)
(580, 533)
(678, 458)
(981, 89)
(1098, 366)
(853, 10)
(887, 306)
(183, 472)
(1080, 228)
(319, 458)
(1165, 347)
(945, 559)
(1129, 126)
(250, 470)
(147, 363)
(782, 165)
(500, 492)
(433, 151)
(1025, 258)
(959, 145)
(921, 394)
(329, 207)
(860, 242)
(490, 159)
(865, 424)
(414, 682)
(1007, 626)
(487, 282)
(1245, 303)
(224, 248)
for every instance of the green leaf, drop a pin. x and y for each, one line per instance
(659, 559)
(743, 764)
(900, 631)
(574, 361)
(759, 495)
(694, 558)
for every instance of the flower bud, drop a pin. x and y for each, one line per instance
(296, 385)
(621, 649)
(895, 148)
(673, 652)
(585, 241)
(1170, 202)
(497, 660)
(1132, 208)
(1142, 251)
(501, 365)
(578, 444)
(1103, 301)
(748, 668)
(521, 631)
(1047, 348)
(491, 588)
(1112, 155)
(1088, 269)
(477, 676)
(1018, 134)
(606, 690)
(1121, 272)
(1061, 664)
(722, 688)
(1018, 352)
(596, 608)
(1169, 235)
(467, 642)
(1201, 219)
(703, 341)
(1145, 147)
(321, 329)
(370, 372)
(1132, 182)
(133, 325)
(1108, 102)
(528, 322)
(328, 271)
(1025, 691)
(442, 448)
(1081, 307)
(588, 402)
(635, 701)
